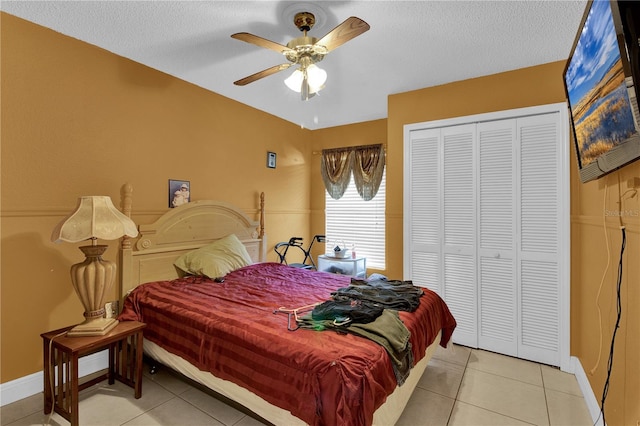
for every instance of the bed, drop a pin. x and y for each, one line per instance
(230, 337)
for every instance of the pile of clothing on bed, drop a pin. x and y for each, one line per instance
(369, 308)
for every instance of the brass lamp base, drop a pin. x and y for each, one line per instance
(94, 327)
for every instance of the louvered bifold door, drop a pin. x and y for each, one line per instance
(538, 245)
(497, 317)
(423, 203)
(459, 236)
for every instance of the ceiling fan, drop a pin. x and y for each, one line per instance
(304, 51)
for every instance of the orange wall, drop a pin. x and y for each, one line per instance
(592, 205)
(529, 87)
(78, 120)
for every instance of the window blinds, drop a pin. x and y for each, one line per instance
(358, 223)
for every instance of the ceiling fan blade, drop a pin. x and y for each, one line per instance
(261, 42)
(261, 74)
(350, 28)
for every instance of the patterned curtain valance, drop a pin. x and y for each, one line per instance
(365, 162)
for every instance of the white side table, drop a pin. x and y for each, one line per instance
(346, 266)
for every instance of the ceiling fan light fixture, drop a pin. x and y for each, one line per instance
(316, 77)
(294, 81)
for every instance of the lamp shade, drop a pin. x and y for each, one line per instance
(316, 77)
(94, 217)
(294, 81)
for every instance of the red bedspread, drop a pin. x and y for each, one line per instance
(230, 330)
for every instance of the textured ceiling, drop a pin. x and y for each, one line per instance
(411, 45)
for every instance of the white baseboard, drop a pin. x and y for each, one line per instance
(589, 397)
(32, 384)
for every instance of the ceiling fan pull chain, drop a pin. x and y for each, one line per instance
(304, 90)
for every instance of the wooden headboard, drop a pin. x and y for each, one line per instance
(150, 256)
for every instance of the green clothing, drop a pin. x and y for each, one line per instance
(387, 330)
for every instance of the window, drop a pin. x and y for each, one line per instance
(358, 223)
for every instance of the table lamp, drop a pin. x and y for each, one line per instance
(94, 217)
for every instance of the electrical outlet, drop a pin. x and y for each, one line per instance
(111, 309)
(634, 183)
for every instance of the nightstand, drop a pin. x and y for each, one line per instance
(61, 354)
(343, 265)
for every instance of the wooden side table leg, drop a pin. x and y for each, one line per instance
(138, 367)
(75, 412)
(48, 398)
(113, 354)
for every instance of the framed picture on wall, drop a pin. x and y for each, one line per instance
(179, 192)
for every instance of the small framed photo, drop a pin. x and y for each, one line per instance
(179, 192)
(271, 160)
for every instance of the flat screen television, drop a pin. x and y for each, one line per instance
(602, 80)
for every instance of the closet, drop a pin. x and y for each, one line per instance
(486, 226)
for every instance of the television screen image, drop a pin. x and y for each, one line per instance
(601, 94)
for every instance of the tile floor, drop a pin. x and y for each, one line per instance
(460, 387)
